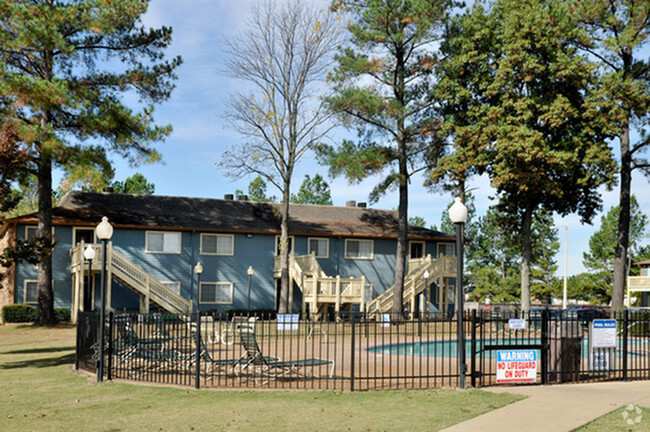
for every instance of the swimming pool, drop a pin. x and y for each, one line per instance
(448, 348)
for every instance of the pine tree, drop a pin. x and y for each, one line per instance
(66, 68)
(382, 87)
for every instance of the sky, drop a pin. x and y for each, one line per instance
(200, 135)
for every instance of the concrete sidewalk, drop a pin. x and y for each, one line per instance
(559, 407)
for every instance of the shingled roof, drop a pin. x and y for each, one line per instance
(182, 213)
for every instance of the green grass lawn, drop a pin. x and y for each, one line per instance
(627, 419)
(40, 391)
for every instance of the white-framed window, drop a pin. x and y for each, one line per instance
(31, 232)
(446, 249)
(216, 293)
(217, 244)
(31, 292)
(277, 245)
(319, 246)
(359, 249)
(85, 234)
(163, 242)
(173, 285)
(416, 249)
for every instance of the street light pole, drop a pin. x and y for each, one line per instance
(104, 232)
(89, 254)
(198, 269)
(458, 215)
(427, 294)
(250, 273)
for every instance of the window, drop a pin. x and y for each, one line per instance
(163, 242)
(277, 245)
(31, 292)
(217, 244)
(417, 249)
(446, 249)
(174, 286)
(320, 247)
(85, 234)
(32, 231)
(358, 249)
(216, 292)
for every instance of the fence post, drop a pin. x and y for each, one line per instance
(545, 347)
(197, 376)
(625, 334)
(472, 361)
(109, 375)
(352, 353)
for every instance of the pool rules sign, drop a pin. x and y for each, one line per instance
(516, 366)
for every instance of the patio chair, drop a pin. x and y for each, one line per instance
(222, 366)
(261, 366)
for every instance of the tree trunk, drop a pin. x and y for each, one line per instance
(45, 314)
(402, 240)
(623, 235)
(284, 253)
(526, 251)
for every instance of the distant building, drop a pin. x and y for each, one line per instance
(640, 285)
(346, 253)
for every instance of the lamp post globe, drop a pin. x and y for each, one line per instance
(104, 231)
(250, 273)
(458, 215)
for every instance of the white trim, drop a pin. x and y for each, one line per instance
(424, 245)
(25, 282)
(232, 244)
(232, 289)
(372, 249)
(74, 233)
(319, 239)
(164, 233)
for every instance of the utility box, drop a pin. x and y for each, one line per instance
(565, 340)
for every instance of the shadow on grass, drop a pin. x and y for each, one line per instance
(40, 363)
(41, 350)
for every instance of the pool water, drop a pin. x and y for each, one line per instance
(449, 348)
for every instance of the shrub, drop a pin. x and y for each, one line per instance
(18, 313)
(62, 315)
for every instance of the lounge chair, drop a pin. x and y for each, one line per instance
(262, 367)
(222, 366)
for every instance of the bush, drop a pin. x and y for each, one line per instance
(62, 315)
(20, 313)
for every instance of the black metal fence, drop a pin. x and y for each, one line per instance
(362, 353)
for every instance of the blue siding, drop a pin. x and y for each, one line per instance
(255, 250)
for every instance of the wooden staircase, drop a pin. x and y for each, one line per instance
(414, 282)
(319, 290)
(118, 266)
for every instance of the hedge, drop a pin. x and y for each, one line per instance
(20, 313)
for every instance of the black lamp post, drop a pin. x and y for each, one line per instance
(104, 233)
(427, 294)
(89, 254)
(458, 215)
(198, 269)
(250, 273)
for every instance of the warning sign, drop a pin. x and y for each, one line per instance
(516, 366)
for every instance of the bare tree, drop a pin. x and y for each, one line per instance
(283, 55)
